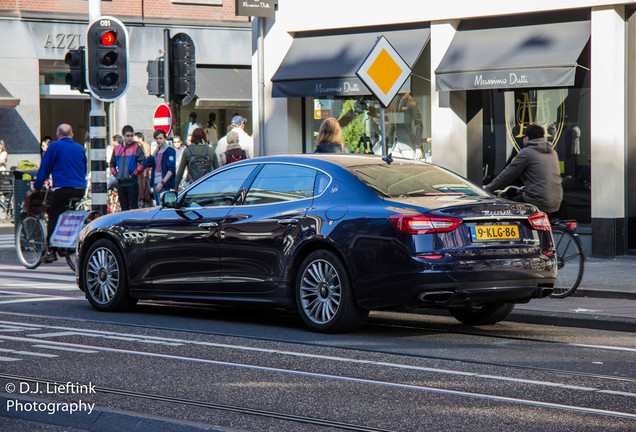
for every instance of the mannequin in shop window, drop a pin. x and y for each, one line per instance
(192, 125)
(406, 133)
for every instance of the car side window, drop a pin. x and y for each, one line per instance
(279, 182)
(219, 189)
(322, 180)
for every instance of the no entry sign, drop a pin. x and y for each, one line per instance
(163, 118)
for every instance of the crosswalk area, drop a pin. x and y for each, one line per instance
(58, 277)
(7, 241)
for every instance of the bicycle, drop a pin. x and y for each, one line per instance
(570, 253)
(30, 236)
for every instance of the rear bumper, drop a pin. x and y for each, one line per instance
(476, 295)
(451, 282)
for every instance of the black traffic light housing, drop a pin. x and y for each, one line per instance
(76, 77)
(183, 69)
(155, 84)
(107, 58)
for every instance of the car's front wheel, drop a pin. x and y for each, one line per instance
(488, 313)
(104, 278)
(324, 295)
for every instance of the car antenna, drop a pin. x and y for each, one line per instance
(388, 158)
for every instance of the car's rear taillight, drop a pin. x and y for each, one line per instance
(421, 224)
(539, 221)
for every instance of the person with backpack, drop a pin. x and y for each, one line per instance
(199, 158)
(233, 152)
(246, 141)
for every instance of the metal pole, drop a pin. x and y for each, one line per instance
(385, 147)
(166, 65)
(260, 23)
(97, 134)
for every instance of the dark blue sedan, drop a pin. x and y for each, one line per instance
(332, 236)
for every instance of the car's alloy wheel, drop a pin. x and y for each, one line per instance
(324, 295)
(104, 278)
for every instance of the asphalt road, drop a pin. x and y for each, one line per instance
(183, 367)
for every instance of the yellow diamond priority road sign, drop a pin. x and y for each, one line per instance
(384, 72)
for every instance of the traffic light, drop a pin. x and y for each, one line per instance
(155, 84)
(183, 69)
(76, 60)
(107, 58)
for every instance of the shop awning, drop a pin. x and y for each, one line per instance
(326, 65)
(6, 99)
(543, 55)
(224, 87)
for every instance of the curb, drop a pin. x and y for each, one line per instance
(590, 321)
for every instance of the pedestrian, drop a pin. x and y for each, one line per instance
(66, 163)
(213, 135)
(329, 138)
(144, 196)
(125, 164)
(4, 155)
(234, 151)
(246, 142)
(163, 164)
(199, 158)
(537, 164)
(44, 144)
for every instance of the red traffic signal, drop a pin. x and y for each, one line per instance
(109, 37)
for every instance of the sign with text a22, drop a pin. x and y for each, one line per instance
(258, 8)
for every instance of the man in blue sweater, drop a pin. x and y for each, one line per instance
(65, 162)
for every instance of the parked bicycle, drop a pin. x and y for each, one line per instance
(30, 237)
(570, 253)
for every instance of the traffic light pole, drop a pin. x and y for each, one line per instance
(97, 133)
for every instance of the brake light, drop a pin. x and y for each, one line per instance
(539, 221)
(421, 224)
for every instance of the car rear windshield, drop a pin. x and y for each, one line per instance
(413, 179)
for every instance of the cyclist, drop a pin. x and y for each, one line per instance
(538, 166)
(65, 161)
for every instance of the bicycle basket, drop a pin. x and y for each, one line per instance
(34, 201)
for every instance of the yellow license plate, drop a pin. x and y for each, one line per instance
(494, 232)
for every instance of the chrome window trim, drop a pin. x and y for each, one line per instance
(226, 167)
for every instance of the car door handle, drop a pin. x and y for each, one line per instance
(288, 222)
(208, 225)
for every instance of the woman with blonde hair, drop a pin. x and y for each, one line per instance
(329, 138)
(198, 157)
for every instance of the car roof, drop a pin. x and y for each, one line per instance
(342, 160)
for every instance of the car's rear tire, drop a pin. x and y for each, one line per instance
(104, 278)
(324, 295)
(488, 313)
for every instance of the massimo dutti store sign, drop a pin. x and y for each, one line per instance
(257, 8)
(502, 79)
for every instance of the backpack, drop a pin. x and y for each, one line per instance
(199, 164)
(235, 155)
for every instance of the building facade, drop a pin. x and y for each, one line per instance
(481, 72)
(36, 35)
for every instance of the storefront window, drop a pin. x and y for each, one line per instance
(565, 115)
(407, 118)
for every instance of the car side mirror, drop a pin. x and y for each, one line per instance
(169, 199)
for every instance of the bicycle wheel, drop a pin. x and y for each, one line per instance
(570, 262)
(30, 241)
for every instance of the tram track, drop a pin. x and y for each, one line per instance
(205, 404)
(404, 354)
